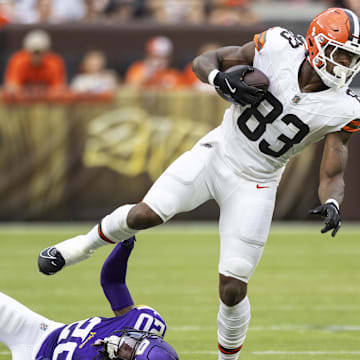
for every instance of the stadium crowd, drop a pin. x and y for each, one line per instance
(37, 68)
(224, 12)
(161, 11)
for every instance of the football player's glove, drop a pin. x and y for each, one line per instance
(232, 83)
(331, 213)
(50, 261)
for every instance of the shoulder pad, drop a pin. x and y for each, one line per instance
(145, 307)
(278, 37)
(354, 125)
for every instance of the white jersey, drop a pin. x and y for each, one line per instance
(258, 141)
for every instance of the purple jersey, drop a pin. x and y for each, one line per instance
(74, 341)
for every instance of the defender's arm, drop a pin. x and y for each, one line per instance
(113, 278)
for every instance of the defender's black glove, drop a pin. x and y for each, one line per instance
(232, 84)
(331, 213)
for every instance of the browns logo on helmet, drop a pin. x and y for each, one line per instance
(332, 30)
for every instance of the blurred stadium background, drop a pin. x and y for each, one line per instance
(75, 152)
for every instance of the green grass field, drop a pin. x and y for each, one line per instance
(305, 294)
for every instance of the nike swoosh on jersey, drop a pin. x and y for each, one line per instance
(261, 187)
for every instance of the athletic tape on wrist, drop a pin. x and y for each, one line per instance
(212, 76)
(333, 201)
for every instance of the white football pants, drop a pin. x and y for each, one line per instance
(21, 329)
(246, 208)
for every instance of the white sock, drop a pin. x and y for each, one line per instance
(233, 322)
(80, 247)
(114, 228)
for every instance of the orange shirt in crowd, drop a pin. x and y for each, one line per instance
(189, 76)
(49, 73)
(192, 81)
(168, 78)
(3, 20)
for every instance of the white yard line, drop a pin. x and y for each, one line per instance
(307, 327)
(289, 327)
(275, 352)
(313, 352)
(267, 352)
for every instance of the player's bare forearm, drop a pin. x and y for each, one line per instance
(332, 167)
(332, 188)
(222, 59)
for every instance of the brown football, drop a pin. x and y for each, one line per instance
(254, 78)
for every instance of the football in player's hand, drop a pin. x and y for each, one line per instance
(255, 78)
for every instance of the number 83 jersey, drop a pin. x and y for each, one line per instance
(75, 341)
(259, 140)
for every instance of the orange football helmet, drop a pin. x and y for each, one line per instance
(339, 29)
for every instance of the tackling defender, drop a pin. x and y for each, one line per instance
(240, 163)
(135, 333)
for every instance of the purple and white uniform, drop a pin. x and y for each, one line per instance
(74, 341)
(32, 336)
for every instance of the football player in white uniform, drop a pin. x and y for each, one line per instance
(239, 164)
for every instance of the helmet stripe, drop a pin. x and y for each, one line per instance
(354, 25)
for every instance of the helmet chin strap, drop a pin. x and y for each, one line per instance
(340, 74)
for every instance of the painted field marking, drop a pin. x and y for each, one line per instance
(303, 327)
(267, 352)
(275, 352)
(312, 352)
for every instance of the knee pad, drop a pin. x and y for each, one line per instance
(237, 267)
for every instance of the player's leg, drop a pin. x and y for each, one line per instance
(245, 218)
(21, 329)
(120, 225)
(182, 187)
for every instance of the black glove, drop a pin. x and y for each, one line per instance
(50, 261)
(232, 84)
(331, 213)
